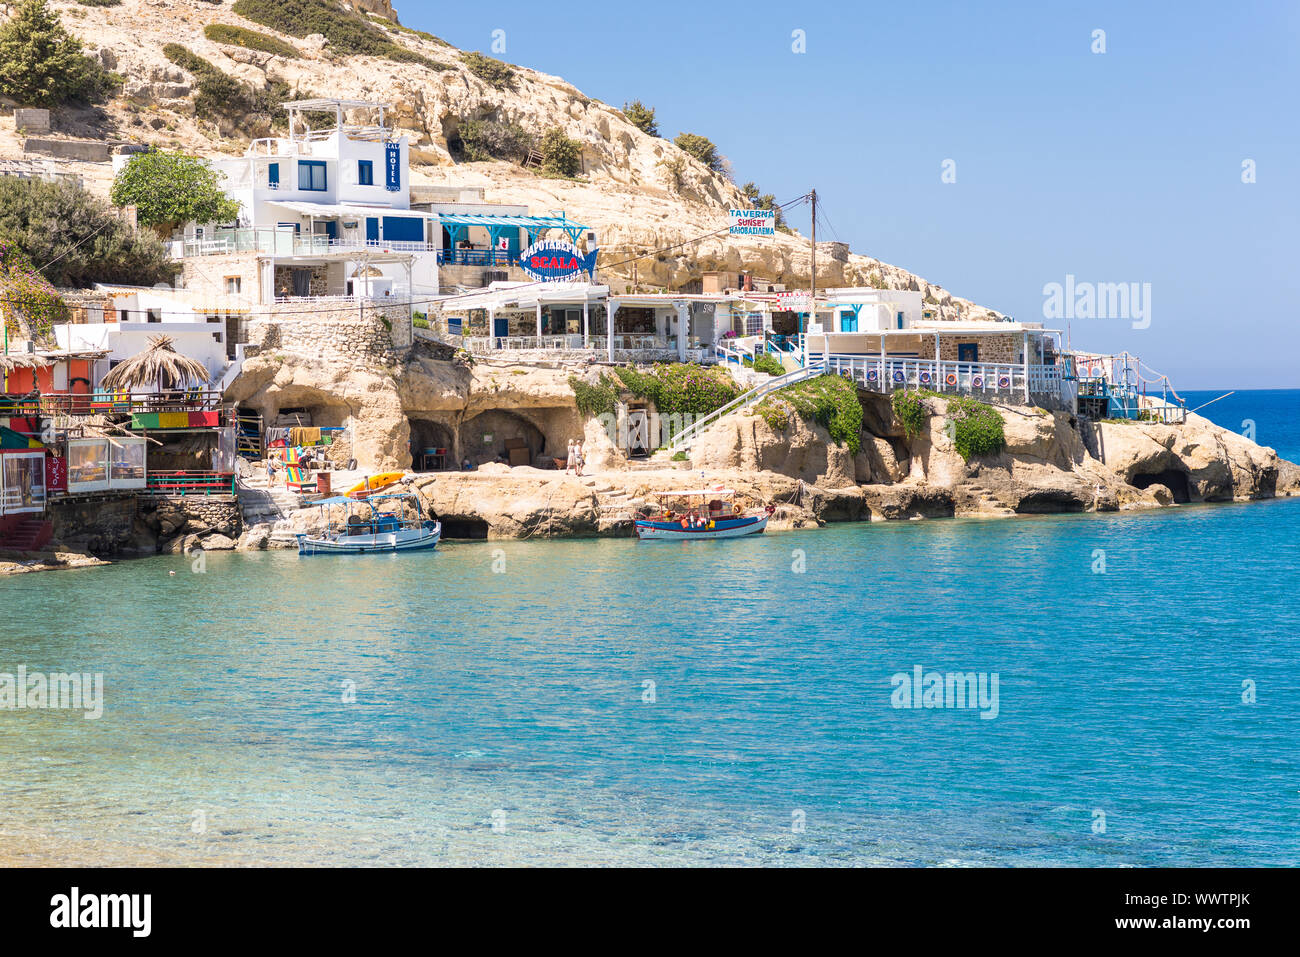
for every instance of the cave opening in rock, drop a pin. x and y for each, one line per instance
(475, 529)
(1171, 479)
(432, 445)
(497, 435)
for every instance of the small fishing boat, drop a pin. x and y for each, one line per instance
(376, 524)
(700, 513)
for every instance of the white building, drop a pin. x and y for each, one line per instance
(122, 327)
(328, 213)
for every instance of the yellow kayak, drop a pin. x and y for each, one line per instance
(375, 483)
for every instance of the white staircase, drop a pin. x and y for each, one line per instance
(686, 437)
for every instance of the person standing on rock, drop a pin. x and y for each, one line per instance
(577, 458)
(570, 462)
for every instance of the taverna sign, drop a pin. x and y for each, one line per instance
(552, 260)
(753, 222)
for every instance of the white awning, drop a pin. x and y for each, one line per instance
(330, 210)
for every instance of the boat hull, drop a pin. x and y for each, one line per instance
(725, 528)
(403, 540)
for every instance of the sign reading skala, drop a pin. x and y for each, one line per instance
(552, 259)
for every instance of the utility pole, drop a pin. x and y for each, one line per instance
(812, 303)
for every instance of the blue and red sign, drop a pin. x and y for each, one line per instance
(553, 260)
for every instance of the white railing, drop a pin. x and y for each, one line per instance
(885, 374)
(284, 242)
(575, 343)
(683, 439)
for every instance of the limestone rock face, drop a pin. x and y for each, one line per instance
(1212, 463)
(634, 190)
(803, 451)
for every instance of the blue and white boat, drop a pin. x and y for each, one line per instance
(705, 513)
(385, 528)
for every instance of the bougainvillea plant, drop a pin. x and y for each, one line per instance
(29, 305)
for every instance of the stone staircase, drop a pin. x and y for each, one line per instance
(261, 504)
(30, 535)
(988, 503)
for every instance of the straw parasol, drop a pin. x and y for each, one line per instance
(156, 364)
(19, 360)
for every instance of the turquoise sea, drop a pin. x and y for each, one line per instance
(504, 714)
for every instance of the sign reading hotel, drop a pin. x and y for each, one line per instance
(753, 222)
(393, 167)
(554, 260)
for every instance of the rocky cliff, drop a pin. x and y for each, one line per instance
(640, 192)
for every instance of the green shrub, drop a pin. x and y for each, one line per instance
(679, 456)
(766, 362)
(419, 321)
(681, 389)
(99, 3)
(760, 200)
(490, 71)
(248, 39)
(641, 116)
(829, 400)
(171, 188)
(593, 400)
(910, 411)
(702, 148)
(489, 139)
(977, 428)
(876, 282)
(67, 226)
(348, 33)
(41, 64)
(561, 155)
(217, 93)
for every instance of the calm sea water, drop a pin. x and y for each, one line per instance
(505, 717)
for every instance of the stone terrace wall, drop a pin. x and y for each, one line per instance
(339, 333)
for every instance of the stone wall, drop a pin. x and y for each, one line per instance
(1003, 347)
(372, 334)
(104, 526)
(208, 274)
(319, 285)
(181, 522)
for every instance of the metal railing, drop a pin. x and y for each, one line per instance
(885, 374)
(68, 403)
(683, 439)
(477, 257)
(189, 483)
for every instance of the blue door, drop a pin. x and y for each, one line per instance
(372, 230)
(403, 229)
(968, 352)
(500, 328)
(848, 322)
(331, 230)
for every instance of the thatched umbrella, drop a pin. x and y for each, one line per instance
(150, 367)
(19, 360)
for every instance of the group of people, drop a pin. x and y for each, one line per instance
(576, 460)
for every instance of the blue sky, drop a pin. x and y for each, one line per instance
(1123, 166)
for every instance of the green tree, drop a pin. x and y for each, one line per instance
(757, 200)
(702, 148)
(168, 189)
(641, 116)
(29, 305)
(41, 64)
(78, 235)
(561, 155)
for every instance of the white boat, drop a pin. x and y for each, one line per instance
(715, 515)
(378, 531)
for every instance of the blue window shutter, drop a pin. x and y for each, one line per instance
(372, 229)
(273, 175)
(365, 173)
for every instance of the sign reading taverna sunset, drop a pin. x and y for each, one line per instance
(552, 260)
(753, 222)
